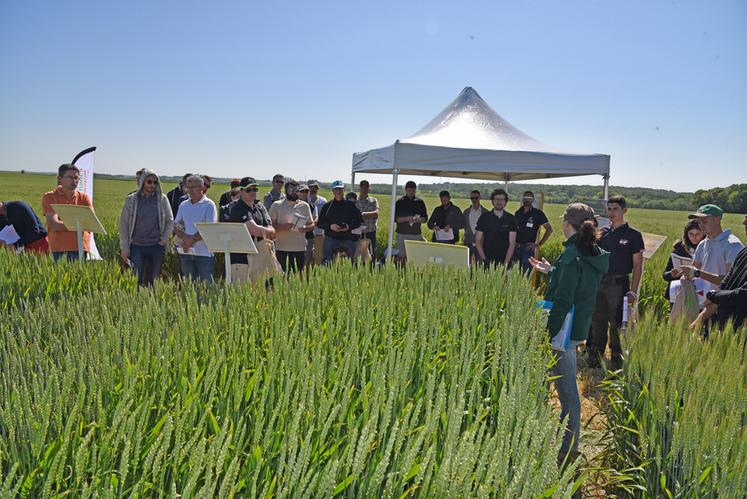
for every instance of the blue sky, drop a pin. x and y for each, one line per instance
(250, 88)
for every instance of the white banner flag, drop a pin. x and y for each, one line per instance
(84, 161)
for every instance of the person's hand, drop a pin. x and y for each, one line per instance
(688, 272)
(676, 273)
(163, 242)
(125, 255)
(541, 266)
(531, 246)
(436, 228)
(447, 228)
(270, 233)
(632, 297)
(335, 228)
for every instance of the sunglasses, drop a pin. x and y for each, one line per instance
(251, 189)
(151, 182)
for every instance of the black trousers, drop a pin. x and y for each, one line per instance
(291, 260)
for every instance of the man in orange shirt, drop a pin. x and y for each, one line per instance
(63, 242)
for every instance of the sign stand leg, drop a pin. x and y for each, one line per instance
(228, 267)
(80, 241)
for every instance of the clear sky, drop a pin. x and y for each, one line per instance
(253, 88)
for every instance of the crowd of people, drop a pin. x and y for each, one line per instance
(598, 271)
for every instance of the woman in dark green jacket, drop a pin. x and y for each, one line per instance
(574, 280)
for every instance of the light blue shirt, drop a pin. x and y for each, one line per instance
(191, 213)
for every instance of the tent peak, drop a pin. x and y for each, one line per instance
(468, 122)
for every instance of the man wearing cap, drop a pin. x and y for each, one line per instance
(197, 262)
(446, 220)
(409, 213)
(276, 193)
(729, 302)
(625, 245)
(338, 217)
(317, 201)
(715, 255)
(303, 195)
(529, 220)
(31, 232)
(471, 216)
(369, 208)
(291, 219)
(248, 210)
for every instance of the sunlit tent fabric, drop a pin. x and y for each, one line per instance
(469, 140)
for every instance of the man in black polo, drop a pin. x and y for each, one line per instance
(529, 220)
(495, 234)
(409, 213)
(176, 195)
(625, 245)
(250, 211)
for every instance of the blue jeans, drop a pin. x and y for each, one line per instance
(331, 245)
(523, 253)
(71, 256)
(197, 267)
(570, 403)
(150, 256)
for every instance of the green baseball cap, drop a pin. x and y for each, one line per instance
(707, 210)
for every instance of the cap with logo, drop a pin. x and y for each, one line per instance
(338, 184)
(707, 210)
(247, 182)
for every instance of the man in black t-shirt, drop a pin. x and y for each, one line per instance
(625, 245)
(176, 195)
(409, 213)
(529, 220)
(495, 234)
(250, 211)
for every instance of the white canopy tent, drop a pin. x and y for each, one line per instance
(470, 140)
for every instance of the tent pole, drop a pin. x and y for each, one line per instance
(352, 182)
(395, 174)
(606, 188)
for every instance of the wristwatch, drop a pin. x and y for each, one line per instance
(696, 273)
(709, 295)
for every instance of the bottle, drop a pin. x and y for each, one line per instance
(624, 324)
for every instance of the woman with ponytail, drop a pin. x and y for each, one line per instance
(573, 283)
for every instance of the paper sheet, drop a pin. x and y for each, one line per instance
(445, 235)
(680, 261)
(8, 235)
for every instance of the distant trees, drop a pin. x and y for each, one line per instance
(732, 199)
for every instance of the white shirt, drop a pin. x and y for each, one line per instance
(191, 213)
(318, 203)
(474, 215)
(717, 255)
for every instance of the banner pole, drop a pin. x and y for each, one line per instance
(227, 254)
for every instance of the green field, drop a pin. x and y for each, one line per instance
(391, 383)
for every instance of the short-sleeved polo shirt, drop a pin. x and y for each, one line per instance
(65, 240)
(495, 233)
(622, 243)
(528, 224)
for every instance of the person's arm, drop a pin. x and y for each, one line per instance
(637, 273)
(511, 248)
(373, 214)
(710, 309)
(356, 217)
(124, 230)
(431, 223)
(311, 223)
(548, 232)
(169, 228)
(667, 275)
(689, 273)
(53, 221)
(478, 244)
